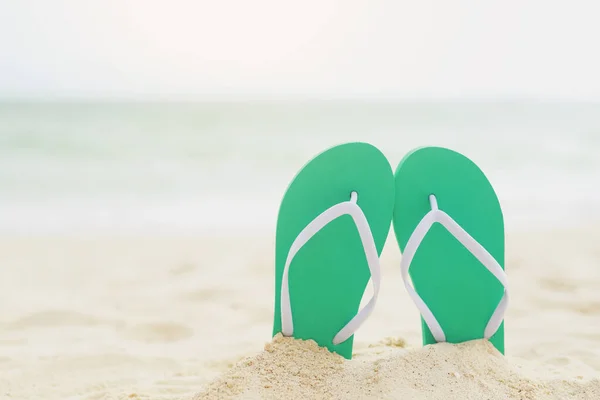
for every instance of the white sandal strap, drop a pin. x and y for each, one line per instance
(488, 261)
(345, 208)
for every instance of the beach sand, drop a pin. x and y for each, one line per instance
(184, 317)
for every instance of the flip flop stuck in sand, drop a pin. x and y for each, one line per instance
(449, 225)
(333, 222)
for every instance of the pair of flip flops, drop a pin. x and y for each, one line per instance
(332, 226)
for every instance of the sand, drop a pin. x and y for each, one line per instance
(293, 369)
(153, 317)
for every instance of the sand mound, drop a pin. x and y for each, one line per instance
(294, 369)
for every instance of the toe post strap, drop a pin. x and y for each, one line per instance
(435, 215)
(352, 209)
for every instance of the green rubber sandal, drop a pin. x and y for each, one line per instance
(449, 225)
(333, 222)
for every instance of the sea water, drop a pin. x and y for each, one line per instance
(224, 166)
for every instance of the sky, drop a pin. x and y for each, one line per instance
(321, 48)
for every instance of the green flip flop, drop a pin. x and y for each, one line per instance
(450, 228)
(333, 222)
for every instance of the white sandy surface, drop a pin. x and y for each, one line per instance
(170, 317)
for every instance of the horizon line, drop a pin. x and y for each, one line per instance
(312, 98)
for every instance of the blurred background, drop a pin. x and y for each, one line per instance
(193, 116)
(145, 146)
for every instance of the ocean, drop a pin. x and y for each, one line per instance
(222, 167)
